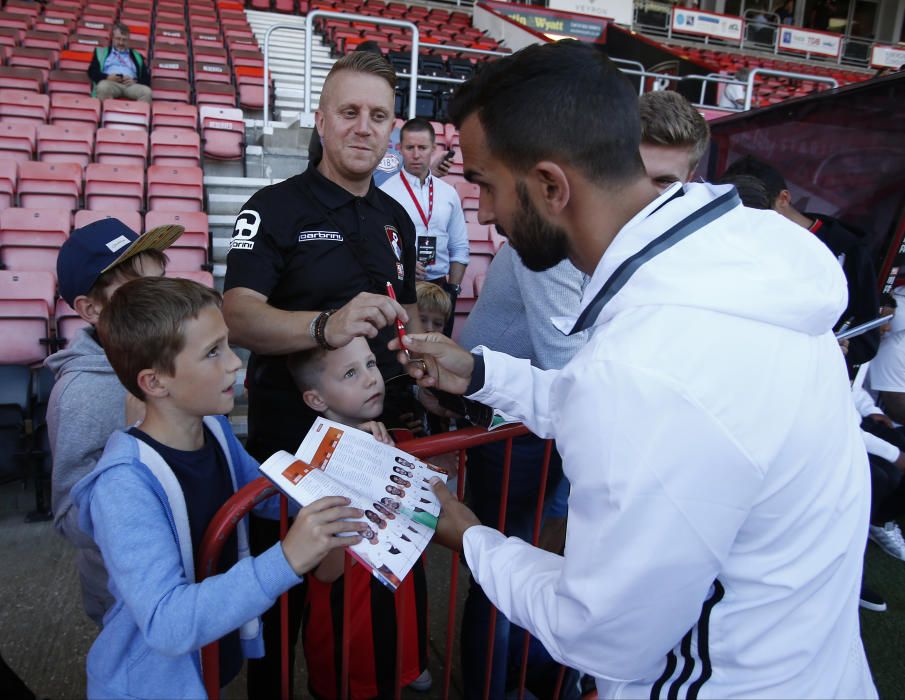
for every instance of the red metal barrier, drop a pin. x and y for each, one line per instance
(459, 441)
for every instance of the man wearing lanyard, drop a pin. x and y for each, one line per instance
(436, 211)
(308, 265)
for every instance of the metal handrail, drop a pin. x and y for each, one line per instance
(309, 31)
(464, 49)
(749, 95)
(271, 30)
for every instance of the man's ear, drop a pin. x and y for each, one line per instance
(783, 201)
(88, 309)
(554, 186)
(319, 123)
(152, 384)
(314, 400)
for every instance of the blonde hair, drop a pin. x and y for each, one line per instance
(668, 119)
(432, 299)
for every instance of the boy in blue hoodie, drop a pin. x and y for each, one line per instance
(156, 488)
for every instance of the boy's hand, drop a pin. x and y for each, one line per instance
(313, 535)
(455, 517)
(378, 430)
(440, 362)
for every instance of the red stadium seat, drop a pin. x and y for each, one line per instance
(164, 90)
(21, 78)
(170, 68)
(68, 323)
(8, 177)
(121, 147)
(223, 133)
(17, 141)
(175, 189)
(175, 147)
(22, 106)
(190, 250)
(75, 60)
(114, 187)
(50, 185)
(126, 114)
(39, 59)
(174, 116)
(250, 80)
(213, 72)
(65, 143)
(30, 239)
(68, 109)
(129, 217)
(215, 94)
(25, 299)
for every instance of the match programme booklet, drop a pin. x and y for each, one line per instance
(391, 486)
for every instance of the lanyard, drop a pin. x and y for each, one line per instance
(430, 198)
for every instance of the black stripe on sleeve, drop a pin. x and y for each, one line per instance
(704, 640)
(671, 662)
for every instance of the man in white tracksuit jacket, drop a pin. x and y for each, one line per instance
(720, 492)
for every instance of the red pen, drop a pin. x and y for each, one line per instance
(400, 328)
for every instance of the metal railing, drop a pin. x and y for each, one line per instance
(749, 96)
(371, 19)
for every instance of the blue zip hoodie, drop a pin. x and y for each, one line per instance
(133, 507)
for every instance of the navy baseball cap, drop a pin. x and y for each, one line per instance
(94, 249)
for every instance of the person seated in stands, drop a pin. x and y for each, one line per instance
(87, 402)
(786, 12)
(844, 242)
(733, 96)
(345, 386)
(156, 489)
(117, 71)
(886, 375)
(674, 137)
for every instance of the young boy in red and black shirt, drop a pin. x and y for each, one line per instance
(345, 386)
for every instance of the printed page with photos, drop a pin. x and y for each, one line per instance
(391, 486)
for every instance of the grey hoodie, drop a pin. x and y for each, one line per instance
(86, 405)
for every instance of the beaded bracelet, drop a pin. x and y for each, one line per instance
(320, 325)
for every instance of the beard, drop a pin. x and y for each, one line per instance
(538, 243)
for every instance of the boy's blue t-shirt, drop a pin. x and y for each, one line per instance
(206, 485)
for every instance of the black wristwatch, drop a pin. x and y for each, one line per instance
(454, 288)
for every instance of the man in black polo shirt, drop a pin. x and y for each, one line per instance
(308, 265)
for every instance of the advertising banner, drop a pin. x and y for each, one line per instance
(685, 21)
(620, 11)
(547, 21)
(887, 57)
(809, 41)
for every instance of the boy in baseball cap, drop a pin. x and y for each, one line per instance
(88, 402)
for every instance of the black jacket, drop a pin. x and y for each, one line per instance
(863, 294)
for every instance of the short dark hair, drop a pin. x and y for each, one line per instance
(750, 190)
(306, 366)
(122, 28)
(128, 269)
(565, 100)
(415, 125)
(143, 325)
(774, 182)
(668, 119)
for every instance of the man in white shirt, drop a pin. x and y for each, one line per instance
(733, 96)
(434, 208)
(715, 529)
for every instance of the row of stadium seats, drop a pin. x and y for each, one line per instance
(211, 58)
(35, 322)
(79, 131)
(770, 89)
(106, 186)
